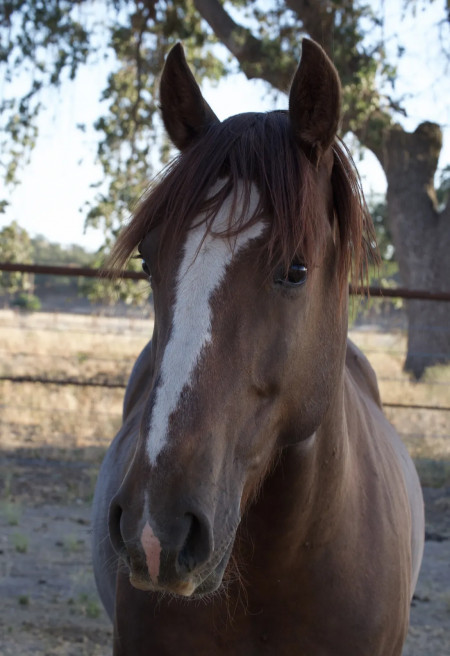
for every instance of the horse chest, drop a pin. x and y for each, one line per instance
(238, 624)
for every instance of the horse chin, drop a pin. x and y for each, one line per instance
(207, 585)
(187, 589)
(194, 587)
(213, 581)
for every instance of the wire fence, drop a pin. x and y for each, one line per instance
(62, 377)
(111, 384)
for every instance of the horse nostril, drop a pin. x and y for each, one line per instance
(197, 547)
(115, 534)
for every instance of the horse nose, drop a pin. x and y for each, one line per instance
(186, 539)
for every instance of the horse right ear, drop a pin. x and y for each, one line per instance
(185, 112)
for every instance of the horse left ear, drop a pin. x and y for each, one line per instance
(315, 101)
(185, 112)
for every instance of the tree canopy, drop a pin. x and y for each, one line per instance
(44, 42)
(15, 246)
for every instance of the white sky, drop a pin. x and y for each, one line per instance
(56, 184)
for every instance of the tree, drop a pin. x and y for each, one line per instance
(15, 246)
(264, 39)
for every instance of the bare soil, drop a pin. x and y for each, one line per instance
(49, 601)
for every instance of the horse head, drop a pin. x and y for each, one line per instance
(248, 240)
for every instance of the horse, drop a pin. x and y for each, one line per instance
(255, 500)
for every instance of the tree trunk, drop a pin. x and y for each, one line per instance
(421, 238)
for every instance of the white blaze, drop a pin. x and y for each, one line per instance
(201, 272)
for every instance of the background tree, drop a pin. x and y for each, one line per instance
(15, 246)
(264, 38)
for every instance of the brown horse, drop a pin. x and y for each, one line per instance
(256, 500)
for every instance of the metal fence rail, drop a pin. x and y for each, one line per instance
(84, 272)
(384, 292)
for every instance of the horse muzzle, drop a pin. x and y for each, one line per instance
(181, 558)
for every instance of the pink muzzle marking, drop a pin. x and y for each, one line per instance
(152, 550)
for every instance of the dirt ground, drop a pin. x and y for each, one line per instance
(48, 597)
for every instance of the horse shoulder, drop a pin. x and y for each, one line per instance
(361, 371)
(381, 450)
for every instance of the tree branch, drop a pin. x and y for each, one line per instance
(257, 58)
(318, 20)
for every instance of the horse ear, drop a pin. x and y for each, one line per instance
(185, 112)
(315, 101)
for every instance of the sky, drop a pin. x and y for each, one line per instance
(55, 185)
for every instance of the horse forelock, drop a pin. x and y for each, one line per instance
(249, 149)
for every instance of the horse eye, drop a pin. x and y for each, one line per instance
(145, 269)
(297, 274)
(295, 277)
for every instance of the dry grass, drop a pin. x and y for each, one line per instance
(98, 348)
(425, 432)
(62, 346)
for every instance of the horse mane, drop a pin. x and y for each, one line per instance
(256, 148)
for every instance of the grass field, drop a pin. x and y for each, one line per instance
(61, 347)
(96, 349)
(425, 432)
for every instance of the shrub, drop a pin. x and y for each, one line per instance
(28, 302)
